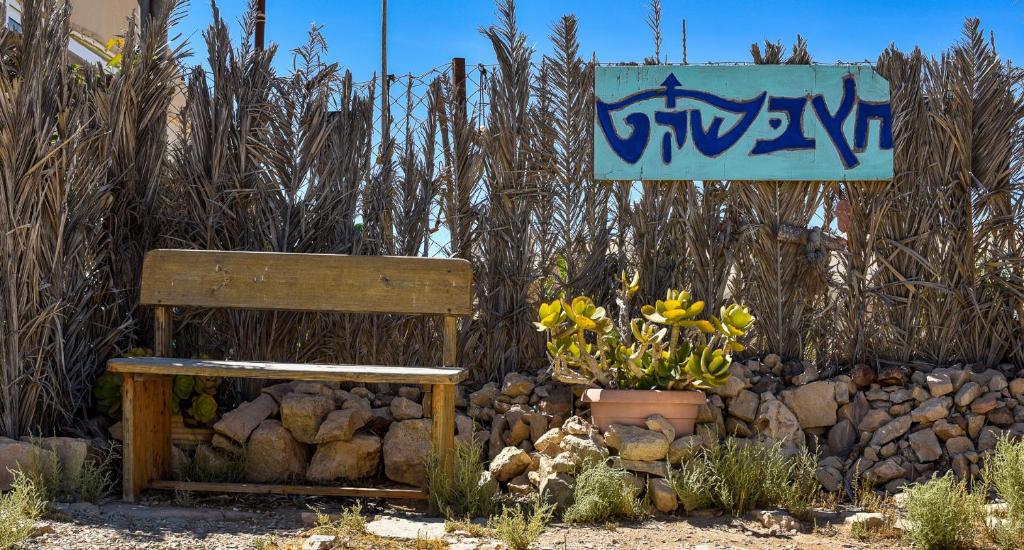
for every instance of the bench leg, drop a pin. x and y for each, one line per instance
(146, 406)
(442, 405)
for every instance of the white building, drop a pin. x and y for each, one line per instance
(93, 24)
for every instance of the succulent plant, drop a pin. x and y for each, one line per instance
(671, 348)
(203, 408)
(107, 392)
(183, 386)
(207, 384)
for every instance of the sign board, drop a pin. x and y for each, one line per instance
(748, 122)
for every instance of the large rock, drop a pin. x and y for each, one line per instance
(931, 410)
(891, 431)
(549, 441)
(405, 409)
(353, 459)
(635, 443)
(813, 404)
(883, 472)
(744, 406)
(658, 423)
(684, 448)
(926, 445)
(406, 447)
(582, 448)
(25, 457)
(342, 425)
(874, 419)
(71, 453)
(484, 397)
(775, 422)
(516, 385)
(303, 413)
(842, 437)
(557, 489)
(510, 462)
(239, 423)
(939, 383)
(273, 455)
(968, 393)
(662, 495)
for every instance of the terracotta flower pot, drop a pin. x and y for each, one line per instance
(632, 407)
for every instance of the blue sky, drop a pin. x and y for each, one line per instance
(427, 33)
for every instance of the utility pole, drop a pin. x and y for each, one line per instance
(684, 41)
(261, 24)
(385, 92)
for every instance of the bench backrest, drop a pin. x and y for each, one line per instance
(307, 282)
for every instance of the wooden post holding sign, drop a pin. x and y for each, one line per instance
(749, 122)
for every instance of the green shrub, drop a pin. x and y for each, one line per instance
(519, 527)
(461, 495)
(741, 477)
(1004, 472)
(603, 493)
(95, 480)
(942, 513)
(19, 508)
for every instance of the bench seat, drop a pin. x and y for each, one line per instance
(288, 371)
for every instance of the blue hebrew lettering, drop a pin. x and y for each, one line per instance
(709, 142)
(676, 121)
(631, 148)
(833, 123)
(792, 138)
(867, 110)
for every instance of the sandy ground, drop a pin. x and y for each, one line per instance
(232, 524)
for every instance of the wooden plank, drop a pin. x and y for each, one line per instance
(288, 371)
(269, 489)
(307, 282)
(442, 406)
(163, 330)
(146, 406)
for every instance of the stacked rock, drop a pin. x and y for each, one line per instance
(319, 432)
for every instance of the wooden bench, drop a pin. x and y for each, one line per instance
(290, 282)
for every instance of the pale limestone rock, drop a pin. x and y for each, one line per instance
(775, 422)
(342, 425)
(635, 443)
(237, 424)
(302, 414)
(658, 423)
(405, 409)
(662, 495)
(406, 445)
(549, 441)
(356, 458)
(71, 453)
(939, 383)
(891, 431)
(744, 406)
(813, 404)
(926, 445)
(509, 463)
(516, 385)
(684, 448)
(273, 455)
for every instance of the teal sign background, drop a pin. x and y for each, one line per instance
(749, 122)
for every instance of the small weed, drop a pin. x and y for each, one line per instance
(224, 466)
(349, 523)
(518, 527)
(603, 493)
(740, 477)
(424, 543)
(468, 527)
(19, 508)
(942, 513)
(95, 481)
(461, 493)
(44, 473)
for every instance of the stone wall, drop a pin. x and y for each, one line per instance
(893, 427)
